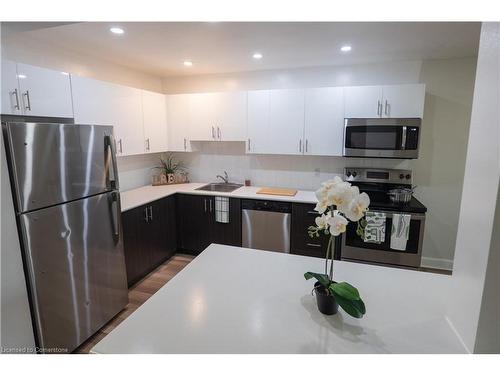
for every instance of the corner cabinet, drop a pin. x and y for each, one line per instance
(197, 227)
(149, 237)
(33, 91)
(396, 101)
(154, 115)
(178, 120)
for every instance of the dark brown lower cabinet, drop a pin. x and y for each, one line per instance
(149, 237)
(197, 227)
(303, 216)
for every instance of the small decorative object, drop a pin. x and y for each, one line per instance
(171, 172)
(338, 203)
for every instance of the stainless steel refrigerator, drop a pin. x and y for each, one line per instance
(65, 187)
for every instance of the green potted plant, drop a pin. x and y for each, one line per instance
(170, 167)
(338, 203)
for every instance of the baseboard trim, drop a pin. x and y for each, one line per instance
(442, 264)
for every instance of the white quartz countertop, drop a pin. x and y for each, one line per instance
(236, 300)
(145, 194)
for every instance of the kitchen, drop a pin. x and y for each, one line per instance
(254, 141)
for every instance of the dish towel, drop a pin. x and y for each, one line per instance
(222, 210)
(400, 231)
(375, 227)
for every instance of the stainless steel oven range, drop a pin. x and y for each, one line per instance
(387, 248)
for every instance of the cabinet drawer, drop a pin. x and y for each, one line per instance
(303, 216)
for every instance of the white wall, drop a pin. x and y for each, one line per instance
(438, 172)
(479, 194)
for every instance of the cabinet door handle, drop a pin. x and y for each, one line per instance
(313, 244)
(213, 132)
(146, 217)
(16, 106)
(28, 103)
(185, 148)
(307, 144)
(205, 202)
(378, 108)
(210, 202)
(218, 132)
(248, 144)
(313, 212)
(147, 144)
(121, 146)
(151, 213)
(386, 108)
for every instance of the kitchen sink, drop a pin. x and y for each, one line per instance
(220, 186)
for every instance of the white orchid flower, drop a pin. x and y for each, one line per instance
(340, 195)
(322, 221)
(332, 183)
(321, 206)
(337, 224)
(357, 207)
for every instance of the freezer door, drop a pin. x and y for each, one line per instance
(56, 163)
(76, 268)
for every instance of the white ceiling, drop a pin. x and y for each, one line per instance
(218, 47)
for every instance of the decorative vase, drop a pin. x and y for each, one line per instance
(326, 302)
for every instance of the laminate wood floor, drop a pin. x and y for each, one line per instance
(138, 294)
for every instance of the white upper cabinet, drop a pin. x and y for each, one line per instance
(202, 117)
(103, 103)
(218, 116)
(230, 116)
(324, 121)
(11, 97)
(178, 120)
(154, 110)
(44, 92)
(33, 91)
(363, 101)
(403, 101)
(276, 122)
(397, 101)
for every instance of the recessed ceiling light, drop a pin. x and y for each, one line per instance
(117, 30)
(257, 55)
(188, 63)
(345, 48)
(21, 76)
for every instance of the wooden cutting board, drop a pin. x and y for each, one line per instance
(278, 191)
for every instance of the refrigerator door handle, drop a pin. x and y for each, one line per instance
(110, 144)
(116, 217)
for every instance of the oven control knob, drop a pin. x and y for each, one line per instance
(354, 174)
(408, 176)
(401, 176)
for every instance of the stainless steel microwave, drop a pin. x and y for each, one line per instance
(396, 138)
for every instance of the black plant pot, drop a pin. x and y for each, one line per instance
(326, 302)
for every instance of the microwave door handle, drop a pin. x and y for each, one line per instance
(403, 138)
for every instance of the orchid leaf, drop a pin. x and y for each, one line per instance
(322, 279)
(345, 290)
(354, 308)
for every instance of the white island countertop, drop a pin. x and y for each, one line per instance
(236, 300)
(145, 194)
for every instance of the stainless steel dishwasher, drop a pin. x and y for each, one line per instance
(266, 225)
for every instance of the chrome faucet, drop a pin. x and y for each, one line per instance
(225, 178)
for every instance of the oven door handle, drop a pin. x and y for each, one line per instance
(414, 216)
